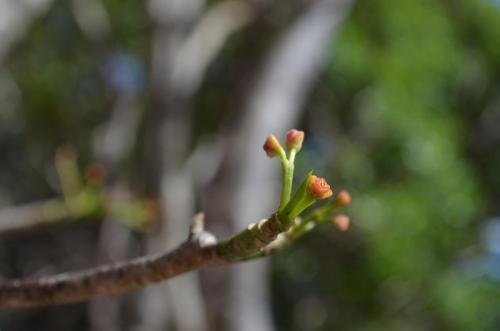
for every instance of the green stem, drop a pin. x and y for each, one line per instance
(299, 208)
(287, 168)
(320, 214)
(286, 189)
(291, 156)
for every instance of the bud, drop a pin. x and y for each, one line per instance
(343, 198)
(294, 139)
(313, 188)
(318, 188)
(271, 146)
(341, 222)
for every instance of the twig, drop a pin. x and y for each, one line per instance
(135, 213)
(32, 216)
(200, 250)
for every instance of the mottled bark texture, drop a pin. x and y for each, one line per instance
(201, 249)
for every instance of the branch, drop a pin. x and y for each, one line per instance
(31, 216)
(118, 205)
(201, 249)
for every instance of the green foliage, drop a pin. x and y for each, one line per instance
(398, 70)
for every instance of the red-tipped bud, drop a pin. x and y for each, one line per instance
(318, 188)
(271, 146)
(294, 139)
(341, 222)
(343, 198)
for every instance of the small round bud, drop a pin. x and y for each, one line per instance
(343, 198)
(341, 222)
(271, 146)
(294, 139)
(318, 188)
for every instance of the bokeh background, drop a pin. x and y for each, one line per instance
(119, 119)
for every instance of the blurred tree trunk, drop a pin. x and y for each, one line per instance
(167, 148)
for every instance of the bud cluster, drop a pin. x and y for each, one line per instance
(312, 189)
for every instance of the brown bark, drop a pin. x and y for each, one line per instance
(199, 250)
(105, 280)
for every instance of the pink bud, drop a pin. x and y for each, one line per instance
(318, 188)
(341, 222)
(271, 146)
(294, 139)
(343, 198)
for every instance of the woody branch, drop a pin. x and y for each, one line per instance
(200, 249)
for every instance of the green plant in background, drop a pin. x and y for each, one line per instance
(397, 72)
(408, 79)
